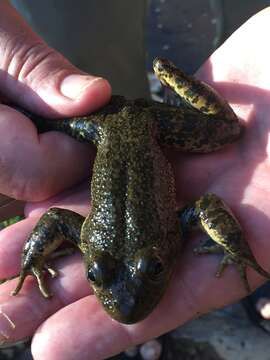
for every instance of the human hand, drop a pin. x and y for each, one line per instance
(40, 79)
(72, 324)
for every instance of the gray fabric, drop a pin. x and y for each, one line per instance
(101, 37)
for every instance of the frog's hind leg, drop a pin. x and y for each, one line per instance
(54, 227)
(216, 219)
(194, 92)
(204, 122)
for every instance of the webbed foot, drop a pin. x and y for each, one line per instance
(215, 218)
(39, 271)
(226, 260)
(39, 275)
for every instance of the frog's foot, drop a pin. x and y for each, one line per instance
(226, 260)
(39, 271)
(215, 218)
(39, 275)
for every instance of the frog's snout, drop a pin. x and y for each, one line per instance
(131, 302)
(128, 290)
(126, 311)
(129, 309)
(125, 302)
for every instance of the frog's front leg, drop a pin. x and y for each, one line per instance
(54, 227)
(216, 219)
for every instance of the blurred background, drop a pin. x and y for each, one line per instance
(118, 40)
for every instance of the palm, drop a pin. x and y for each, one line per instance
(238, 174)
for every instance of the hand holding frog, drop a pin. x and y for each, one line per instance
(37, 77)
(188, 294)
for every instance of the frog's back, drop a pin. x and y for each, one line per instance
(134, 194)
(132, 233)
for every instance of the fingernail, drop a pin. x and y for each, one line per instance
(73, 86)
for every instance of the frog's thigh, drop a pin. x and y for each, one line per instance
(54, 227)
(216, 219)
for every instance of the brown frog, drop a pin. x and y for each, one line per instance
(133, 236)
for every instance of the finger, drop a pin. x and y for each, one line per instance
(12, 239)
(34, 167)
(76, 199)
(245, 81)
(39, 78)
(109, 337)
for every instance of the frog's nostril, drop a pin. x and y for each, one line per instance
(127, 307)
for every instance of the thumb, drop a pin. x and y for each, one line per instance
(37, 77)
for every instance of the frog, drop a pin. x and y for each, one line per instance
(134, 235)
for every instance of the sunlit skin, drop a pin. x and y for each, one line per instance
(240, 174)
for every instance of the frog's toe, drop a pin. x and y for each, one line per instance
(243, 274)
(203, 248)
(51, 271)
(20, 282)
(226, 260)
(39, 274)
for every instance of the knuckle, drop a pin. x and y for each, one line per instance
(25, 60)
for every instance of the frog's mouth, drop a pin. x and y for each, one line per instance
(129, 290)
(130, 302)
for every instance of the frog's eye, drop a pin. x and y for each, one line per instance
(94, 274)
(101, 270)
(152, 267)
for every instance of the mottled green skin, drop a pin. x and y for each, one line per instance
(131, 217)
(131, 239)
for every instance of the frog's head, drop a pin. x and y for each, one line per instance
(129, 288)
